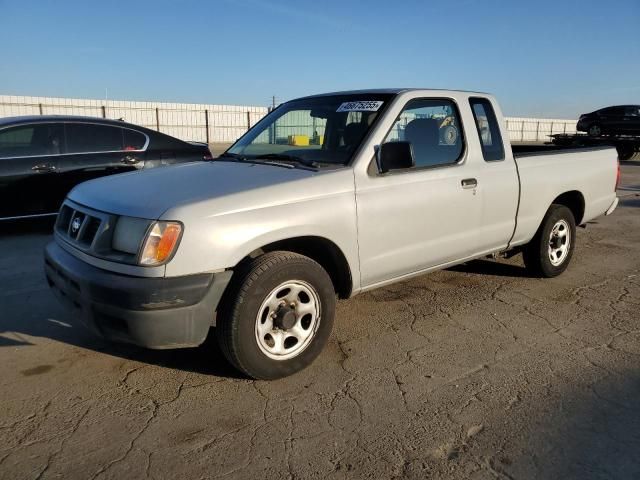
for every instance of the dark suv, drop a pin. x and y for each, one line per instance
(43, 157)
(619, 120)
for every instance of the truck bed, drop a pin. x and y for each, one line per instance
(524, 150)
(543, 172)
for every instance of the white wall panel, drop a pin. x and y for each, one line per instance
(226, 122)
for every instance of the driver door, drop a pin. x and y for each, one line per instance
(412, 219)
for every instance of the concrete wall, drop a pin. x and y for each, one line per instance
(226, 123)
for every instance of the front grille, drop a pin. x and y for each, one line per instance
(77, 225)
(64, 217)
(90, 231)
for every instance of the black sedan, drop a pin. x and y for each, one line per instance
(43, 157)
(618, 120)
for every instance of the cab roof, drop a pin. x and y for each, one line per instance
(386, 91)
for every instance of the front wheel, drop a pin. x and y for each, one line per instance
(549, 252)
(276, 316)
(595, 130)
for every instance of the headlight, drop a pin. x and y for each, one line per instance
(129, 233)
(161, 243)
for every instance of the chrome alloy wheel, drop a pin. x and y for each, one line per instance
(595, 130)
(559, 242)
(287, 320)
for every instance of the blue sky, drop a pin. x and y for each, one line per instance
(544, 58)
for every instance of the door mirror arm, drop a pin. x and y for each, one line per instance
(376, 149)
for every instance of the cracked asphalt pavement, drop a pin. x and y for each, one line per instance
(474, 372)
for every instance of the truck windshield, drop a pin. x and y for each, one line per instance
(318, 130)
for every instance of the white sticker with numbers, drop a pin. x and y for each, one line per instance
(360, 106)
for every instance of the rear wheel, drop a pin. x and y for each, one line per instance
(549, 252)
(276, 316)
(595, 130)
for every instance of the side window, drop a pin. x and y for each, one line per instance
(612, 111)
(633, 111)
(488, 129)
(433, 128)
(133, 140)
(88, 138)
(31, 140)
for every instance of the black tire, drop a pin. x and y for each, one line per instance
(250, 286)
(536, 253)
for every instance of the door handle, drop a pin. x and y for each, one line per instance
(130, 160)
(469, 183)
(43, 167)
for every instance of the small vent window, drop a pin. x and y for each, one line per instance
(488, 129)
(133, 140)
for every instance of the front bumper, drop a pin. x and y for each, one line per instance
(150, 312)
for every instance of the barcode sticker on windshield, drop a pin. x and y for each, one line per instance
(360, 106)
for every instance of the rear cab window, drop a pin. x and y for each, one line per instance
(488, 129)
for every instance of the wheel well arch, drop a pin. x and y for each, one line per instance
(574, 201)
(321, 250)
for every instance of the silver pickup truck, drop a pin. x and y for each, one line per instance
(327, 196)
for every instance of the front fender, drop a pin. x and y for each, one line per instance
(220, 242)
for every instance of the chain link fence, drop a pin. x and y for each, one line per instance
(537, 130)
(218, 123)
(192, 122)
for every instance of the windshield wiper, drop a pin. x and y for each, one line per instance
(233, 155)
(289, 158)
(236, 157)
(285, 160)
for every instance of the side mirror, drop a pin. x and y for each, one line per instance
(394, 156)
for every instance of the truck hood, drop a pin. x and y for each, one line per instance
(150, 193)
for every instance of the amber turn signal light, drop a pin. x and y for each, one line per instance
(160, 243)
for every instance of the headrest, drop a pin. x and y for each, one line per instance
(423, 130)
